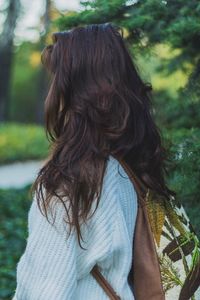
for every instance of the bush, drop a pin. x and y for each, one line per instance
(19, 142)
(14, 205)
(184, 172)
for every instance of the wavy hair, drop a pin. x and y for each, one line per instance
(97, 105)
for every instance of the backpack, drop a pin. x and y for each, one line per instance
(166, 249)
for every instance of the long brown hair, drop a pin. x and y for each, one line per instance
(97, 106)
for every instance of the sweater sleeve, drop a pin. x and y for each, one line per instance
(47, 268)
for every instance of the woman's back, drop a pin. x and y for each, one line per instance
(59, 269)
(97, 108)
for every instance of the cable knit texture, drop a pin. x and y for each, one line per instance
(54, 267)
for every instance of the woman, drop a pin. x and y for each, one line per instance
(85, 206)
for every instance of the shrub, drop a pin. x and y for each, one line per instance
(14, 205)
(184, 172)
(19, 142)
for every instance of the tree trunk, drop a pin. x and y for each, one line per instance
(6, 54)
(42, 77)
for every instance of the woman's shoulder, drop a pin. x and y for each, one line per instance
(118, 193)
(117, 171)
(109, 184)
(126, 198)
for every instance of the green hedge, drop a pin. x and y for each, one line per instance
(19, 142)
(14, 205)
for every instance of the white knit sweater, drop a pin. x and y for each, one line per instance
(54, 267)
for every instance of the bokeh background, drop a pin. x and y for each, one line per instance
(164, 40)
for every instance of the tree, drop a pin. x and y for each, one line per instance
(6, 54)
(174, 21)
(42, 78)
(149, 23)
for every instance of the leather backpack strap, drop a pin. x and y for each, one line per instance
(104, 283)
(139, 186)
(145, 265)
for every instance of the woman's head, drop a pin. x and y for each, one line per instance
(97, 106)
(93, 77)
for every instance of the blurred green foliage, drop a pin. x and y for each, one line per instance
(184, 171)
(176, 22)
(19, 142)
(25, 80)
(14, 205)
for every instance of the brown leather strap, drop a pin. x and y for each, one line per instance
(104, 283)
(145, 266)
(139, 186)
